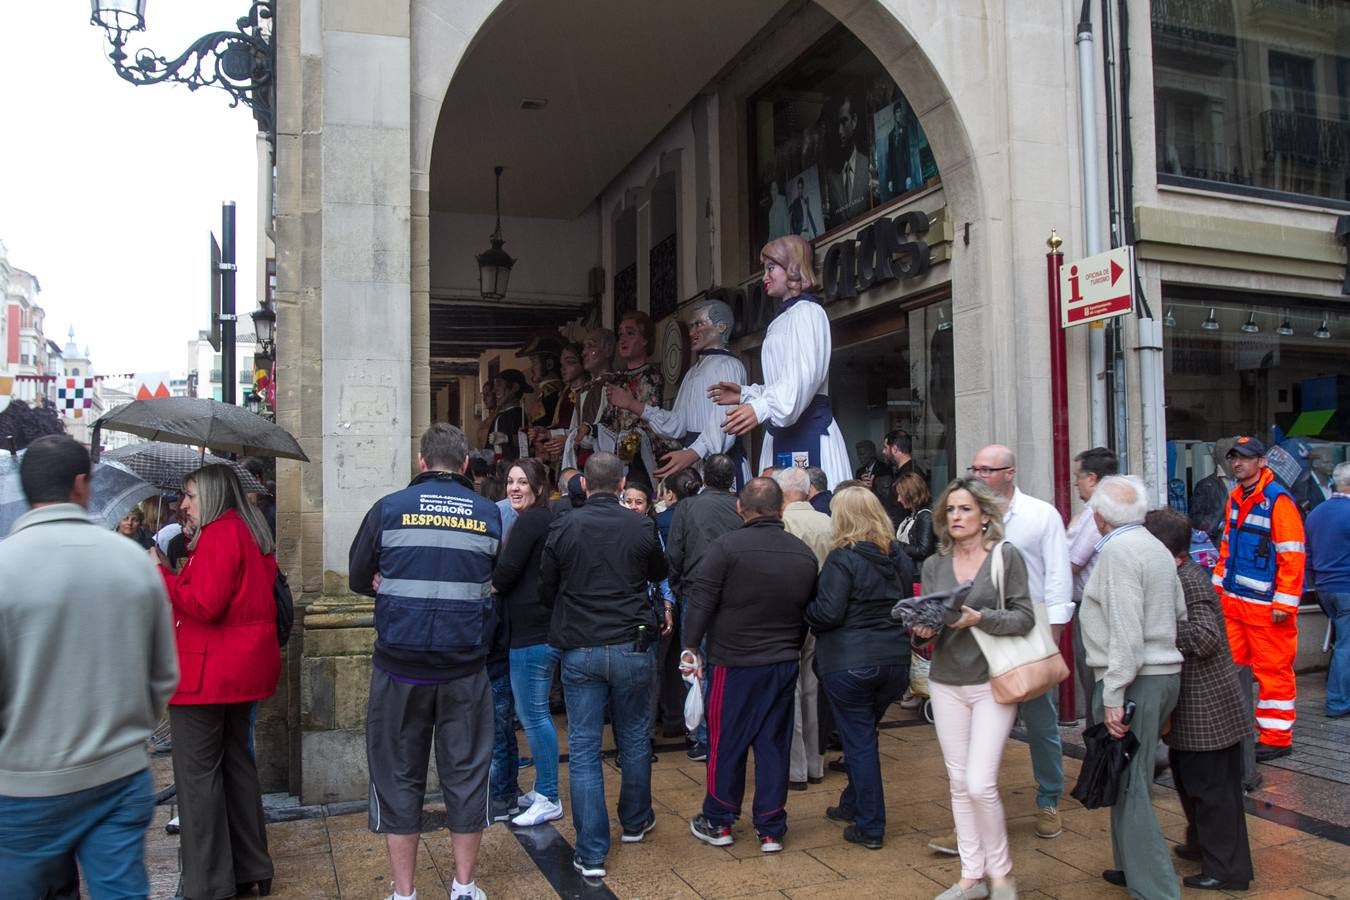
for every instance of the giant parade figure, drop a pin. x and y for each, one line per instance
(696, 421)
(793, 403)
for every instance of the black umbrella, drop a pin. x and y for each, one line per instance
(1104, 763)
(114, 490)
(164, 465)
(201, 422)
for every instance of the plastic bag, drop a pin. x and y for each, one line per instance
(918, 675)
(693, 697)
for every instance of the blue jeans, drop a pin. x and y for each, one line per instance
(619, 678)
(1338, 679)
(531, 679)
(103, 826)
(502, 784)
(1041, 719)
(859, 698)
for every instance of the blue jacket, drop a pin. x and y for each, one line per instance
(1262, 557)
(1328, 529)
(433, 545)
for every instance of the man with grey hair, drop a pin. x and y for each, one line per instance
(1328, 530)
(695, 420)
(806, 764)
(1131, 606)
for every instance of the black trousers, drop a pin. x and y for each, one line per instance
(1210, 786)
(224, 836)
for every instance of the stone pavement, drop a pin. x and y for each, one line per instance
(1299, 824)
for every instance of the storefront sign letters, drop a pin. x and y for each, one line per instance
(1097, 287)
(885, 250)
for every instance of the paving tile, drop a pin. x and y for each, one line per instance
(738, 878)
(363, 871)
(308, 876)
(875, 887)
(299, 838)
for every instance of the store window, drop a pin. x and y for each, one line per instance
(1254, 96)
(891, 371)
(1254, 364)
(832, 137)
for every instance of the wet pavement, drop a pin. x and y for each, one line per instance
(1298, 821)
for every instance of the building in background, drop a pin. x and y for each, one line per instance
(205, 362)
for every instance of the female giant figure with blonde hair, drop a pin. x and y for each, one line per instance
(228, 658)
(793, 403)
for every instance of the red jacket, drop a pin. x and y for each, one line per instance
(225, 618)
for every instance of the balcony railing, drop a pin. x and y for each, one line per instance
(1206, 21)
(1302, 139)
(1295, 10)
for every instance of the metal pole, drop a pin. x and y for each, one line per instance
(1092, 220)
(228, 378)
(1154, 418)
(1059, 441)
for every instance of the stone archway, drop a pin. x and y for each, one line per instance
(942, 81)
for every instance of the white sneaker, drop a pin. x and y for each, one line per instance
(526, 800)
(541, 810)
(476, 894)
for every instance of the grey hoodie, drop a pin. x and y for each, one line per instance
(87, 656)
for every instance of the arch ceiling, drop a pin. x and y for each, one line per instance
(613, 73)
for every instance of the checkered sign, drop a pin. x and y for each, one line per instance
(74, 396)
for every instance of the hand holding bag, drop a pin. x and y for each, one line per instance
(1021, 667)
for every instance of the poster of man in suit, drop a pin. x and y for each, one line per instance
(851, 180)
(804, 210)
(904, 159)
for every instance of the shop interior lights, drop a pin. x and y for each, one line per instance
(1250, 326)
(1323, 332)
(1170, 320)
(1286, 328)
(1211, 323)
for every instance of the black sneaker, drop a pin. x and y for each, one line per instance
(634, 837)
(839, 814)
(588, 870)
(698, 753)
(708, 833)
(854, 836)
(1266, 752)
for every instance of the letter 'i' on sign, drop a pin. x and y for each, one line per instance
(1097, 287)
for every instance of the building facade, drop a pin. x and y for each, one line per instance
(651, 149)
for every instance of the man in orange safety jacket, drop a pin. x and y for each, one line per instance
(1260, 578)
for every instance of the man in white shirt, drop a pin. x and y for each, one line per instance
(1036, 529)
(1089, 468)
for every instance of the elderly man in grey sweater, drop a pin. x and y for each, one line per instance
(1131, 606)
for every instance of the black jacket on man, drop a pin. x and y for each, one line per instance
(851, 612)
(698, 521)
(595, 573)
(748, 594)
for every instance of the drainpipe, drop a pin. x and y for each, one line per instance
(1092, 220)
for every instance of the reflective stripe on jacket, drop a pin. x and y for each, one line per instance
(1261, 558)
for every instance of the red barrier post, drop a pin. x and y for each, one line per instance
(1059, 438)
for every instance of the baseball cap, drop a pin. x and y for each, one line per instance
(1248, 446)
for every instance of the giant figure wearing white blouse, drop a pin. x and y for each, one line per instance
(695, 420)
(793, 403)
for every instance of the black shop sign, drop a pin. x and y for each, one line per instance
(886, 250)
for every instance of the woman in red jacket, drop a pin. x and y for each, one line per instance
(228, 658)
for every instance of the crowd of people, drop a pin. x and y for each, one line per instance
(614, 551)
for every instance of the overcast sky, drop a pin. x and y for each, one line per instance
(108, 190)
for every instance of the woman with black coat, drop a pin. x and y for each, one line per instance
(915, 533)
(862, 655)
(533, 660)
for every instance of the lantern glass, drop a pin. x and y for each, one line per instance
(494, 272)
(264, 325)
(118, 15)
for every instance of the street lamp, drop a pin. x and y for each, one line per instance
(264, 327)
(494, 264)
(239, 62)
(252, 402)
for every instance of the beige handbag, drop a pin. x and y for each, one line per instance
(1021, 667)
